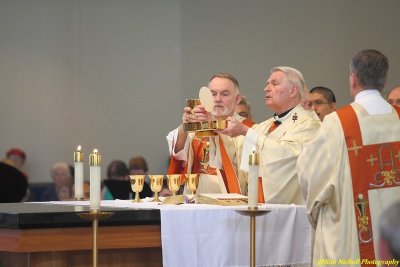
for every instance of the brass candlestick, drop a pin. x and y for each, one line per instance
(95, 216)
(252, 212)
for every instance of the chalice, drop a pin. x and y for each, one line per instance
(137, 182)
(192, 182)
(156, 183)
(174, 181)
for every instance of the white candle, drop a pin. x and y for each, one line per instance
(95, 180)
(78, 169)
(253, 180)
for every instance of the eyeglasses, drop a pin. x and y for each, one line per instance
(317, 103)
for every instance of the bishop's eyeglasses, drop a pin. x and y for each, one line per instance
(317, 103)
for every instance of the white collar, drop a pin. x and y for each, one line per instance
(365, 93)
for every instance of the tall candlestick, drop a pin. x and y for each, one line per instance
(253, 180)
(78, 169)
(95, 180)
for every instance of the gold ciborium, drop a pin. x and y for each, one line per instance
(137, 182)
(204, 128)
(192, 182)
(174, 182)
(156, 183)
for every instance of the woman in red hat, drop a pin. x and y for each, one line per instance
(14, 183)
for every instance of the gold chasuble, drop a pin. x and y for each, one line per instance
(372, 166)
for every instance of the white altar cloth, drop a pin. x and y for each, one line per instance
(198, 235)
(206, 235)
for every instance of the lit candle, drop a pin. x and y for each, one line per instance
(253, 180)
(95, 180)
(78, 169)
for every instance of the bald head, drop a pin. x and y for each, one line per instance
(394, 96)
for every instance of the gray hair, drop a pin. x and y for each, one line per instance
(227, 76)
(244, 101)
(295, 78)
(60, 165)
(370, 67)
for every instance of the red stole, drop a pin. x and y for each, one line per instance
(177, 166)
(248, 122)
(200, 163)
(372, 167)
(199, 146)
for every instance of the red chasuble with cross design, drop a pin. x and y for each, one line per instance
(372, 166)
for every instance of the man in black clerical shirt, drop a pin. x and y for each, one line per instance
(279, 139)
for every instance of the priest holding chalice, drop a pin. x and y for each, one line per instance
(195, 147)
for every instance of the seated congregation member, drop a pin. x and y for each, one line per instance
(138, 166)
(15, 157)
(350, 170)
(214, 158)
(13, 180)
(116, 171)
(61, 189)
(322, 100)
(279, 140)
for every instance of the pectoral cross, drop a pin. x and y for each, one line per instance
(295, 118)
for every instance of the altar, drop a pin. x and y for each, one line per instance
(219, 236)
(149, 234)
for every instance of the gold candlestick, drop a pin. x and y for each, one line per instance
(78, 155)
(95, 158)
(252, 213)
(95, 216)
